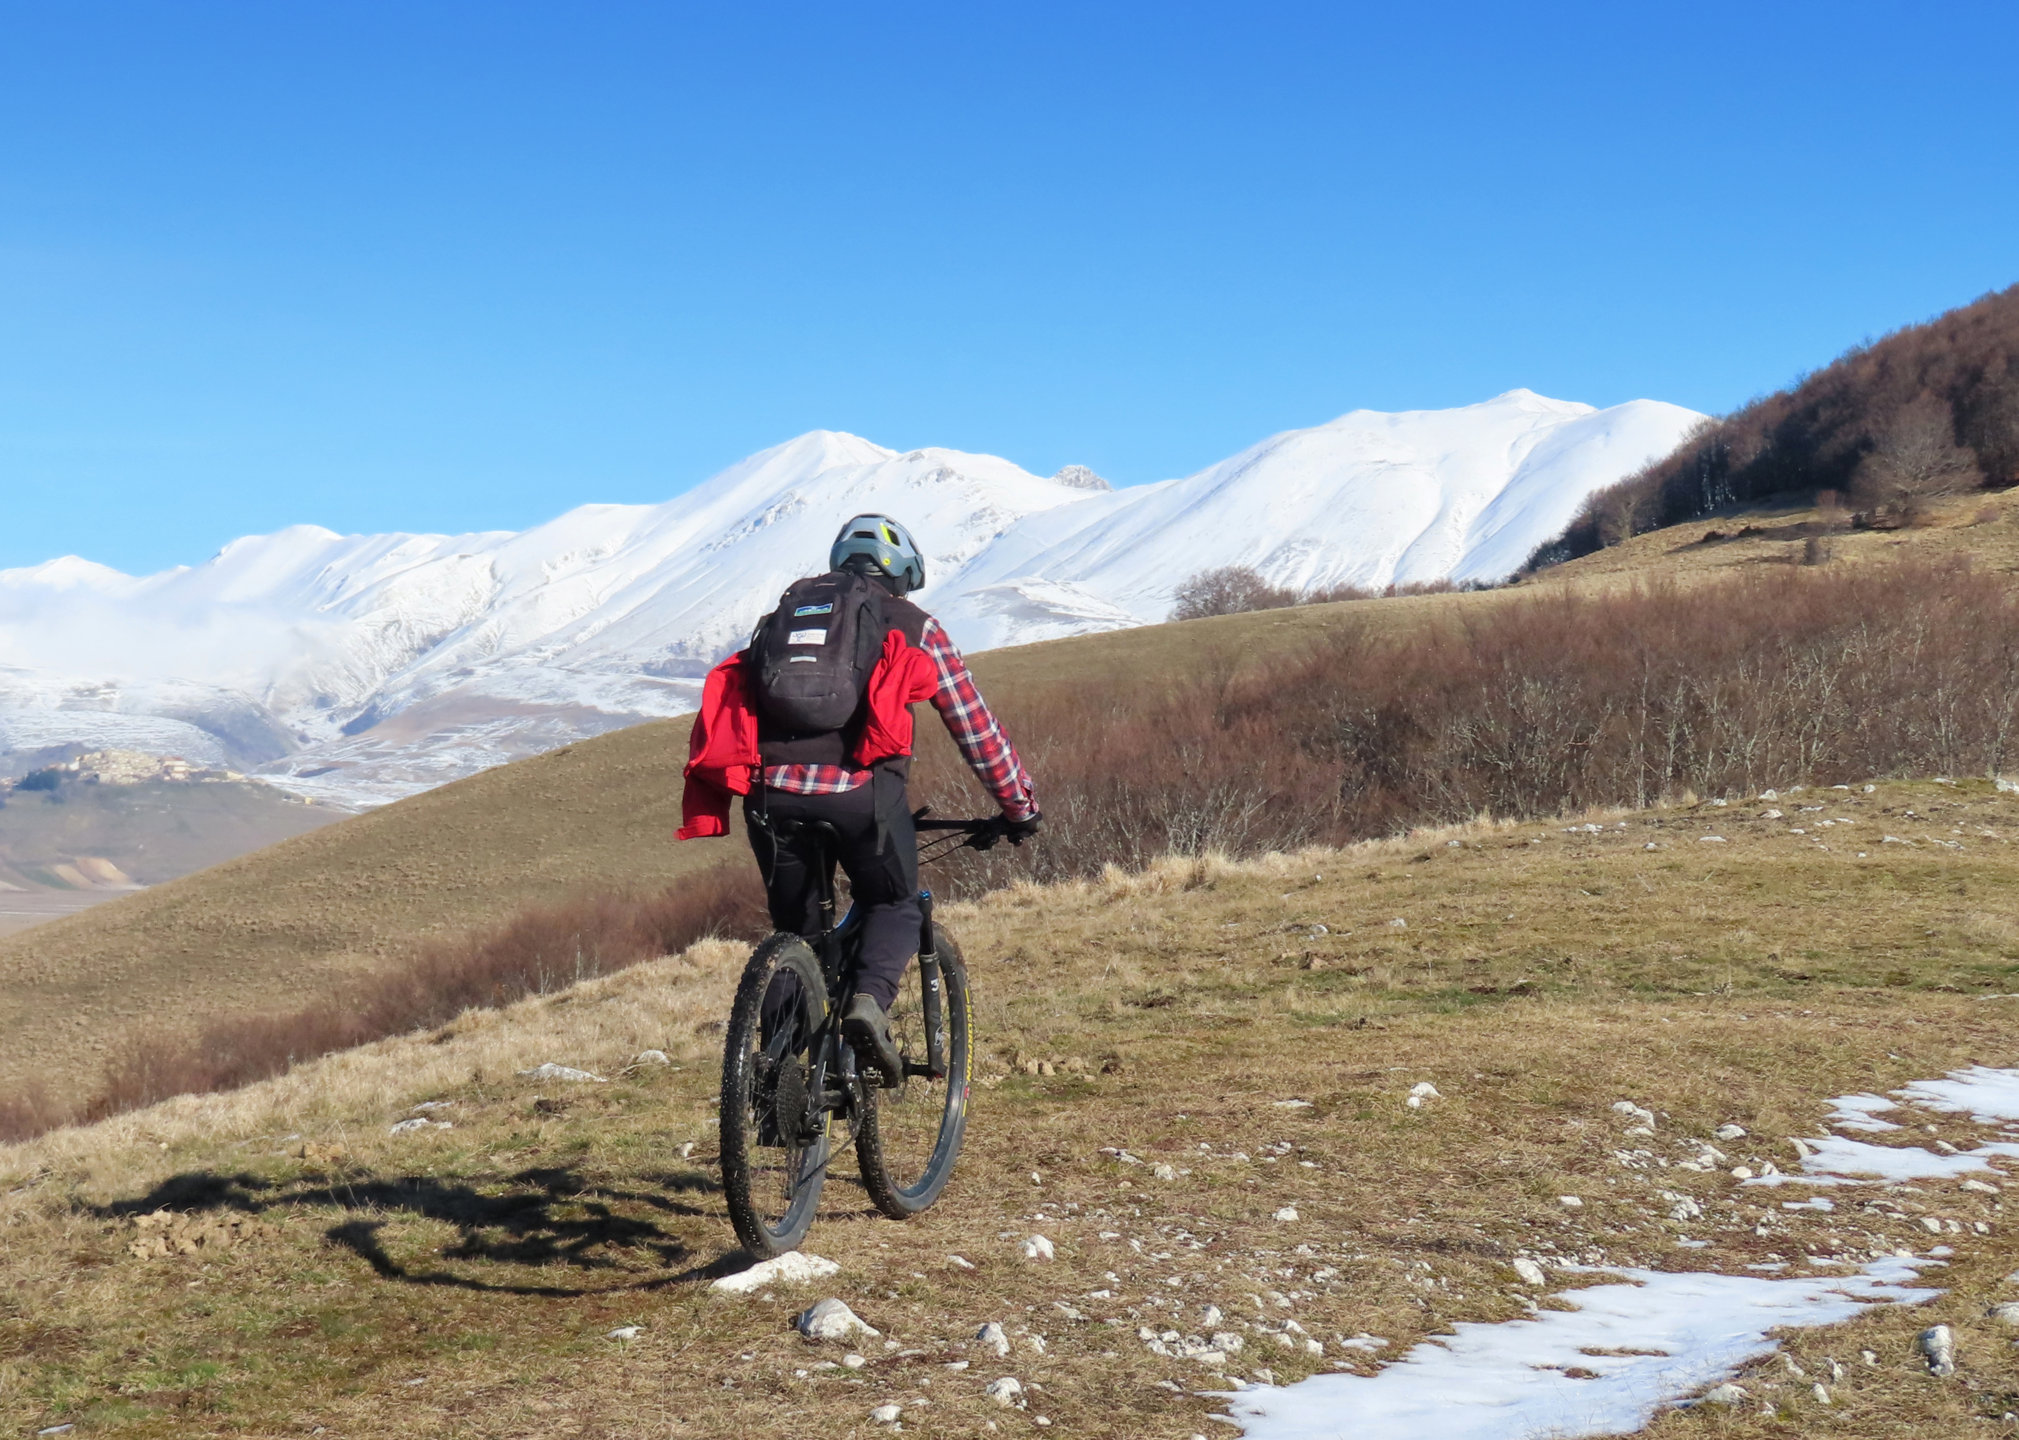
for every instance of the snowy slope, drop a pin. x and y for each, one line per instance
(1370, 499)
(365, 667)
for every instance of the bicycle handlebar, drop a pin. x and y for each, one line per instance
(980, 834)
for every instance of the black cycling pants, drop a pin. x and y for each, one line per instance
(883, 879)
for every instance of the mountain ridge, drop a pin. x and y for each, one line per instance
(495, 644)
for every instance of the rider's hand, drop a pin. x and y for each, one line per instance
(1018, 831)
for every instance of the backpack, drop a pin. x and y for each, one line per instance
(810, 659)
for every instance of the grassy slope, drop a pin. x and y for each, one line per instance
(460, 1282)
(255, 932)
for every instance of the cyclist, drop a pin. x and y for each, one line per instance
(849, 636)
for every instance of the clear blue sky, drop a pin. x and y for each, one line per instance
(458, 266)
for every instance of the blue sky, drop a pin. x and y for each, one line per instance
(459, 266)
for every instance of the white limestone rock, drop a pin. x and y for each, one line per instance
(831, 1319)
(791, 1268)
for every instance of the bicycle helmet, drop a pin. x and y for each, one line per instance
(878, 545)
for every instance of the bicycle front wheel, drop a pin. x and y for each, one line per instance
(774, 1138)
(909, 1135)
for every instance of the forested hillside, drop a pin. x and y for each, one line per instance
(1927, 411)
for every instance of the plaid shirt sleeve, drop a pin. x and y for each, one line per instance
(974, 728)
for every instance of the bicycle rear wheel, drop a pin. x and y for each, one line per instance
(774, 1148)
(909, 1135)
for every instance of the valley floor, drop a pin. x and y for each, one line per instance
(1195, 1082)
(20, 909)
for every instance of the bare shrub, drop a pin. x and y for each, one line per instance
(1229, 590)
(1816, 550)
(1530, 708)
(1329, 594)
(538, 951)
(1831, 511)
(29, 1112)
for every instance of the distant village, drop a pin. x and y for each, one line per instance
(117, 767)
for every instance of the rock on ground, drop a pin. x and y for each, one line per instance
(1938, 1345)
(1007, 1392)
(791, 1268)
(994, 1337)
(551, 1071)
(831, 1319)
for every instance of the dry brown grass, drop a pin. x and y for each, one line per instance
(1541, 976)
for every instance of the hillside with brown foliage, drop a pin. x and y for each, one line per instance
(1927, 411)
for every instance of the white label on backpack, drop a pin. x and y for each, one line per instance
(802, 659)
(807, 637)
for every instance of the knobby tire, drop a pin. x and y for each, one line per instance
(909, 1136)
(773, 1189)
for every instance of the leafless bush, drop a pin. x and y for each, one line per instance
(537, 952)
(1816, 550)
(1528, 709)
(1329, 594)
(29, 1112)
(1229, 590)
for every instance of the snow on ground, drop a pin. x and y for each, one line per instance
(292, 647)
(1508, 1381)
(1988, 1096)
(1835, 1157)
(1511, 1381)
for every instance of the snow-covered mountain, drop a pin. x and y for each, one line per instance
(361, 668)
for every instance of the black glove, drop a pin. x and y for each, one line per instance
(1018, 831)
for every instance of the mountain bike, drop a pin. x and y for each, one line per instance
(788, 1076)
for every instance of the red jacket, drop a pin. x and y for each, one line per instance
(722, 749)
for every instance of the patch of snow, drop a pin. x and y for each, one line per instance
(1836, 1156)
(1507, 1381)
(1858, 1112)
(1986, 1095)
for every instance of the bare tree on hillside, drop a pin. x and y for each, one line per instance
(1916, 457)
(1229, 590)
(1624, 511)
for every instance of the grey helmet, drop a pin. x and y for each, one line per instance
(878, 544)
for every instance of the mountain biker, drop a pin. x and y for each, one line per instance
(851, 776)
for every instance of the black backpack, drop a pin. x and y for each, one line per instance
(812, 656)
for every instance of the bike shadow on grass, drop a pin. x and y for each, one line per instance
(545, 1218)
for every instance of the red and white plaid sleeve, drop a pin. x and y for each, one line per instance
(974, 728)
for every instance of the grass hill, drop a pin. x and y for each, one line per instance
(274, 1261)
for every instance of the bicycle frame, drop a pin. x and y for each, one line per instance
(835, 948)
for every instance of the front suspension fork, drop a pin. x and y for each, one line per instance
(934, 990)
